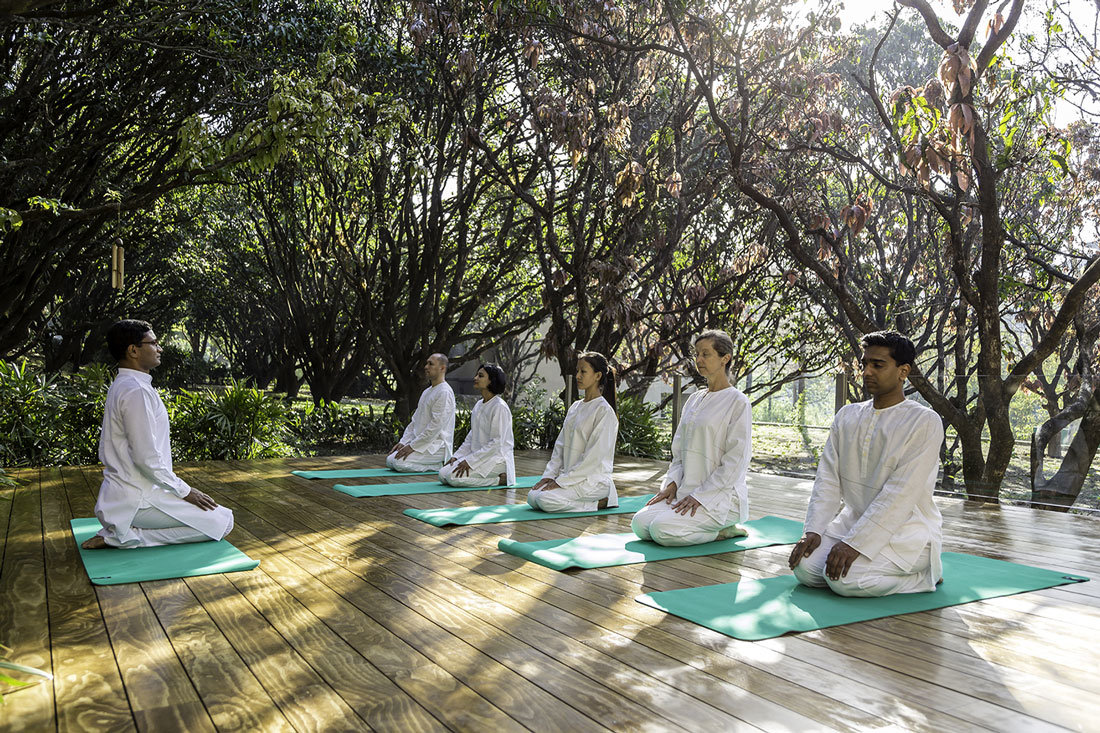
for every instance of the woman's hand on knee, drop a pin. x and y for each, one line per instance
(688, 503)
(666, 494)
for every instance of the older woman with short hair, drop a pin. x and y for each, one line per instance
(704, 494)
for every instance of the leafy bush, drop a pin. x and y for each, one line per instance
(330, 427)
(179, 368)
(639, 432)
(50, 420)
(235, 423)
(27, 413)
(535, 427)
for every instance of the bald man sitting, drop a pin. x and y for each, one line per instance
(428, 441)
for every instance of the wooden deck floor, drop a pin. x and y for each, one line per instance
(361, 618)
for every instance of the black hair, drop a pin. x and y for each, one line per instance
(721, 342)
(497, 380)
(901, 348)
(602, 366)
(124, 334)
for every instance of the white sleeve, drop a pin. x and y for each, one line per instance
(736, 454)
(442, 408)
(913, 478)
(599, 448)
(138, 408)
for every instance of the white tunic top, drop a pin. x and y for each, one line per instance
(136, 452)
(489, 442)
(875, 480)
(585, 448)
(432, 429)
(711, 452)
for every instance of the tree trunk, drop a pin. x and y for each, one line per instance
(1063, 488)
(973, 464)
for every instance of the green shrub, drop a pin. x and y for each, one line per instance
(535, 427)
(28, 415)
(639, 432)
(81, 415)
(235, 423)
(179, 368)
(331, 427)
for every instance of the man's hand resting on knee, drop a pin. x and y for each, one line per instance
(805, 546)
(201, 500)
(840, 561)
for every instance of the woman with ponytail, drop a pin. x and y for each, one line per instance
(704, 495)
(485, 457)
(578, 476)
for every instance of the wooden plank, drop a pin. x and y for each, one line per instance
(227, 687)
(376, 699)
(160, 693)
(24, 625)
(452, 702)
(300, 694)
(87, 684)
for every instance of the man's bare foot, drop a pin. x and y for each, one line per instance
(503, 479)
(602, 503)
(95, 542)
(731, 531)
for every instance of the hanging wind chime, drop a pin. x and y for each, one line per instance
(118, 265)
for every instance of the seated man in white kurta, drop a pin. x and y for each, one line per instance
(704, 494)
(485, 458)
(142, 502)
(872, 527)
(578, 476)
(429, 438)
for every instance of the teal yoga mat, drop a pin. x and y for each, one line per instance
(515, 513)
(605, 550)
(428, 487)
(114, 566)
(762, 609)
(360, 473)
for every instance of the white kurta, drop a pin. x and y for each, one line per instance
(582, 460)
(136, 452)
(873, 491)
(488, 448)
(431, 433)
(711, 451)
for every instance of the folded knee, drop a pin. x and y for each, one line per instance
(808, 575)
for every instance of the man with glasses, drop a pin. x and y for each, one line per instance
(142, 502)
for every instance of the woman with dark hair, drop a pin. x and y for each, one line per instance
(485, 457)
(703, 494)
(578, 476)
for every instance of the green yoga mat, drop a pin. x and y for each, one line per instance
(762, 609)
(360, 473)
(515, 513)
(605, 550)
(114, 566)
(428, 487)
